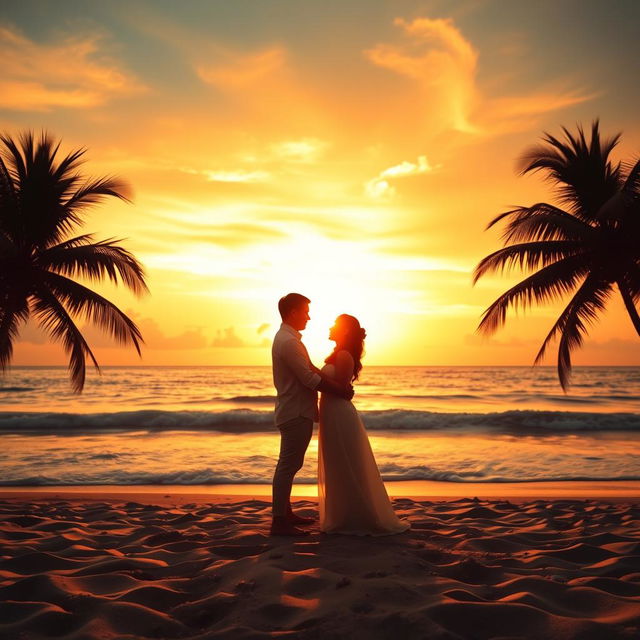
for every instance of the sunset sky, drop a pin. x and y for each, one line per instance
(353, 151)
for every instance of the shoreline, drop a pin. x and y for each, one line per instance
(610, 491)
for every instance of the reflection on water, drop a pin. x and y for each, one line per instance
(190, 458)
(454, 389)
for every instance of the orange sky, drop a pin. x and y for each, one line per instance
(353, 152)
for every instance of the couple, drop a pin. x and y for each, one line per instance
(352, 498)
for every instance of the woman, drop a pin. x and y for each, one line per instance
(352, 497)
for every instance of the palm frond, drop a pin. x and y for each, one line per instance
(56, 321)
(631, 280)
(546, 285)
(583, 311)
(584, 176)
(84, 302)
(632, 181)
(8, 200)
(542, 221)
(79, 256)
(518, 211)
(69, 164)
(42, 198)
(527, 255)
(586, 291)
(14, 310)
(13, 156)
(52, 196)
(96, 190)
(629, 300)
(7, 188)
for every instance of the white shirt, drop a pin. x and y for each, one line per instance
(293, 377)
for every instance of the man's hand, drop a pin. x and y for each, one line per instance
(331, 386)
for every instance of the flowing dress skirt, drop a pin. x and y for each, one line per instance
(352, 497)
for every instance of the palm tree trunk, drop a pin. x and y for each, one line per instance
(631, 308)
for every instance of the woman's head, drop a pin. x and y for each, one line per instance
(347, 333)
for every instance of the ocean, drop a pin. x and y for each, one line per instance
(214, 425)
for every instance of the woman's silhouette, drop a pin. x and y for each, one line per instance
(352, 497)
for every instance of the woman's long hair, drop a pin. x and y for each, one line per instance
(352, 341)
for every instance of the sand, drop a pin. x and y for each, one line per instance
(161, 565)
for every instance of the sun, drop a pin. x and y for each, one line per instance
(338, 277)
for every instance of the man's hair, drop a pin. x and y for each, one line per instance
(291, 301)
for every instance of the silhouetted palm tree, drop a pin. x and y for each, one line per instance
(42, 202)
(587, 248)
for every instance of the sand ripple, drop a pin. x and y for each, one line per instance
(81, 568)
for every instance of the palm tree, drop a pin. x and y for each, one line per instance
(42, 201)
(587, 246)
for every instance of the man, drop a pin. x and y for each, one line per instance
(297, 383)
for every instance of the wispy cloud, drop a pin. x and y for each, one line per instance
(381, 186)
(235, 235)
(229, 339)
(302, 150)
(441, 60)
(238, 71)
(516, 113)
(74, 72)
(228, 175)
(435, 54)
(208, 231)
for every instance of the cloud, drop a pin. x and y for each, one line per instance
(380, 187)
(303, 150)
(234, 175)
(516, 113)
(72, 73)
(262, 328)
(223, 233)
(443, 64)
(154, 337)
(265, 87)
(229, 339)
(237, 235)
(240, 71)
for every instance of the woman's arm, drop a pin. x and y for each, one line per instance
(344, 365)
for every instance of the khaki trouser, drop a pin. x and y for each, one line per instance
(294, 440)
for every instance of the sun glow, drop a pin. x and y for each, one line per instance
(260, 164)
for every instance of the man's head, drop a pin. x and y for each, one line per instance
(294, 310)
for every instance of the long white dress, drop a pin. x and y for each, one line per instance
(352, 497)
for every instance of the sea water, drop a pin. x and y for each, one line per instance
(214, 425)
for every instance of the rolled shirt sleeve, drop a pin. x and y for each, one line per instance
(297, 359)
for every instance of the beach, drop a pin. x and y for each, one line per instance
(344, 246)
(114, 562)
(142, 509)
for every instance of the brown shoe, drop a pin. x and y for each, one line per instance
(286, 529)
(299, 520)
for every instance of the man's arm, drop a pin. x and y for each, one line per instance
(297, 359)
(327, 385)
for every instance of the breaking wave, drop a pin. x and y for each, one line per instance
(247, 420)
